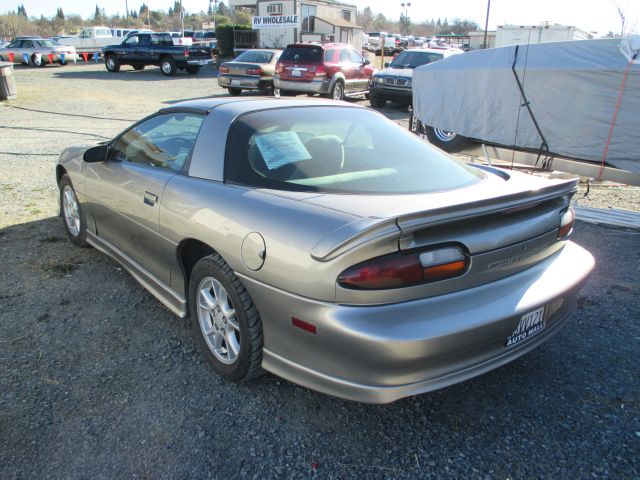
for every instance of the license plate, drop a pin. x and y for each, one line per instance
(530, 324)
(296, 73)
(202, 62)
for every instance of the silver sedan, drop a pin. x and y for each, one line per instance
(251, 70)
(38, 51)
(319, 241)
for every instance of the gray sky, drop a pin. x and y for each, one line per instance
(590, 15)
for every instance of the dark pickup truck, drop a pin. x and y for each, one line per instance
(142, 49)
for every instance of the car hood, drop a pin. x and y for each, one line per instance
(397, 72)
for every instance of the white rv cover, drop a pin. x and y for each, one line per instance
(572, 89)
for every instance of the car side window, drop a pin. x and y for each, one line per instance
(344, 55)
(356, 57)
(144, 40)
(329, 55)
(27, 44)
(163, 141)
(132, 40)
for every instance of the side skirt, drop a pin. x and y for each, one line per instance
(174, 302)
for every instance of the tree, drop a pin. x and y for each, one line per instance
(463, 27)
(405, 24)
(223, 10)
(22, 11)
(365, 19)
(60, 14)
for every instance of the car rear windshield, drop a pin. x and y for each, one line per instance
(336, 149)
(254, 57)
(302, 54)
(409, 59)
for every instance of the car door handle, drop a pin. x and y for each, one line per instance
(150, 198)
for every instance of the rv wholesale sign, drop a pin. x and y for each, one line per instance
(279, 21)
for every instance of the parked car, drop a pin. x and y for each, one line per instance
(251, 70)
(142, 49)
(91, 40)
(394, 82)
(322, 242)
(334, 70)
(3, 44)
(37, 51)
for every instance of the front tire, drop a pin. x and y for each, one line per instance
(72, 214)
(226, 321)
(377, 102)
(168, 67)
(448, 141)
(112, 63)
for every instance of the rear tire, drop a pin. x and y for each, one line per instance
(226, 322)
(337, 92)
(112, 63)
(235, 92)
(193, 69)
(168, 67)
(445, 140)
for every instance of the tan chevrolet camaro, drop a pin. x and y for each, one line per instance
(319, 241)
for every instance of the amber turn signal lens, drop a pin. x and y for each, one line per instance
(567, 219)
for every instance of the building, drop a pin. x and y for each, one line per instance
(317, 21)
(507, 35)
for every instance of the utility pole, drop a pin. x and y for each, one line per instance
(148, 14)
(486, 25)
(126, 3)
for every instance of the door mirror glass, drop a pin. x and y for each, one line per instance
(96, 154)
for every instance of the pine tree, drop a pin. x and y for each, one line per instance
(60, 14)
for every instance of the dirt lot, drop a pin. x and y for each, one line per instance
(97, 379)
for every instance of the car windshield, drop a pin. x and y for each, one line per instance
(413, 59)
(254, 57)
(302, 54)
(337, 149)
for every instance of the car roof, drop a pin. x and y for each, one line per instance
(316, 44)
(254, 103)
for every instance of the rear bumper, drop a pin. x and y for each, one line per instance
(314, 86)
(379, 354)
(245, 82)
(199, 61)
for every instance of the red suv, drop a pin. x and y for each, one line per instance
(334, 70)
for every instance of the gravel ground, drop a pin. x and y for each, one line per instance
(97, 379)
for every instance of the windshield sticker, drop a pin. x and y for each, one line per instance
(281, 148)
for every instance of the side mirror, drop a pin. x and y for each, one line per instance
(96, 154)
(386, 64)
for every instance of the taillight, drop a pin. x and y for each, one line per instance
(254, 71)
(403, 270)
(186, 52)
(567, 219)
(224, 69)
(279, 67)
(320, 71)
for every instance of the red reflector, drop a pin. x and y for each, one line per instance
(309, 327)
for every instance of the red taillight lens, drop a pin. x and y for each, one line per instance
(224, 69)
(320, 71)
(402, 270)
(186, 52)
(567, 219)
(279, 67)
(254, 71)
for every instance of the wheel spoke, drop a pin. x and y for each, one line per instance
(208, 330)
(233, 347)
(233, 322)
(208, 299)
